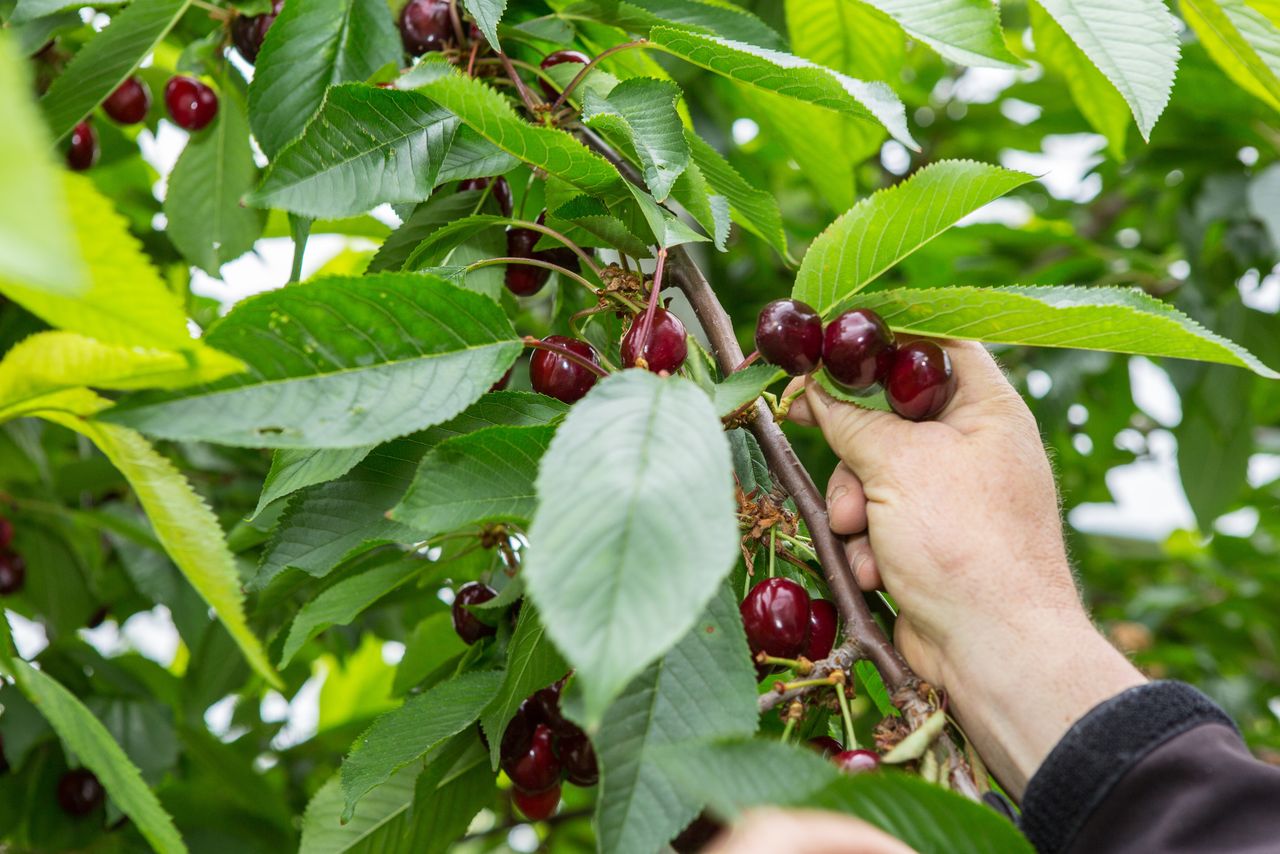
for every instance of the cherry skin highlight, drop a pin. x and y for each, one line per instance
(191, 104)
(13, 573)
(557, 376)
(857, 349)
(857, 761)
(537, 806)
(554, 58)
(425, 26)
(533, 765)
(129, 103)
(82, 152)
(822, 629)
(466, 624)
(248, 31)
(776, 617)
(920, 382)
(666, 348)
(80, 792)
(789, 335)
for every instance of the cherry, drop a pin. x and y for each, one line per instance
(130, 103)
(79, 792)
(466, 624)
(501, 192)
(776, 617)
(697, 834)
(248, 31)
(559, 57)
(425, 26)
(826, 745)
(578, 758)
(521, 279)
(920, 382)
(556, 376)
(192, 105)
(13, 573)
(561, 256)
(789, 335)
(83, 150)
(6, 533)
(530, 761)
(502, 381)
(666, 348)
(822, 629)
(857, 761)
(857, 349)
(537, 806)
(545, 705)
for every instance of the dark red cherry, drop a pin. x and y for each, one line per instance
(776, 617)
(6, 533)
(130, 103)
(695, 837)
(545, 705)
(857, 349)
(532, 764)
(79, 792)
(559, 57)
(501, 192)
(857, 761)
(466, 624)
(561, 256)
(425, 26)
(82, 152)
(537, 806)
(248, 31)
(13, 573)
(558, 376)
(822, 629)
(789, 335)
(826, 745)
(578, 759)
(920, 382)
(192, 105)
(666, 348)
(502, 382)
(521, 279)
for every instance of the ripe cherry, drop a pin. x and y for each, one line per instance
(826, 745)
(857, 349)
(531, 762)
(425, 26)
(130, 103)
(13, 573)
(6, 533)
(192, 105)
(920, 382)
(666, 348)
(521, 279)
(83, 150)
(559, 57)
(776, 617)
(557, 376)
(697, 834)
(578, 758)
(501, 192)
(857, 761)
(545, 706)
(822, 629)
(561, 256)
(466, 624)
(79, 792)
(789, 335)
(537, 806)
(502, 381)
(248, 31)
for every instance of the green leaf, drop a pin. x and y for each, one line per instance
(1215, 442)
(84, 735)
(426, 218)
(639, 808)
(789, 75)
(853, 38)
(344, 601)
(889, 225)
(206, 221)
(407, 733)
(708, 16)
(109, 57)
(1113, 319)
(481, 477)
(1242, 41)
(644, 110)
(592, 216)
(1099, 102)
(442, 813)
(668, 229)
(325, 357)
(315, 44)
(432, 645)
(741, 387)
(753, 209)
(723, 775)
(491, 115)
(633, 533)
(376, 825)
(1134, 44)
(532, 664)
(293, 469)
(365, 147)
(37, 246)
(873, 686)
(27, 11)
(963, 31)
(487, 14)
(473, 156)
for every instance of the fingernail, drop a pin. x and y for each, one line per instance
(836, 494)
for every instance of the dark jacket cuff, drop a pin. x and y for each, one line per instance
(1099, 749)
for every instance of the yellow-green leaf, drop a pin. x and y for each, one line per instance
(1242, 40)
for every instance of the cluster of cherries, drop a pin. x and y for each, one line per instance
(859, 353)
(13, 569)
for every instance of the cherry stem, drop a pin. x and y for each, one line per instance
(550, 232)
(781, 688)
(456, 20)
(652, 310)
(532, 262)
(802, 666)
(786, 730)
(773, 550)
(586, 69)
(471, 61)
(784, 406)
(539, 344)
(850, 738)
(530, 99)
(755, 354)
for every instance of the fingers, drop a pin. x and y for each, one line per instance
(863, 561)
(846, 502)
(767, 831)
(799, 412)
(860, 437)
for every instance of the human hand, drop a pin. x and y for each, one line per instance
(767, 831)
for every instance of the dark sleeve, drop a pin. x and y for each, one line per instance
(1158, 768)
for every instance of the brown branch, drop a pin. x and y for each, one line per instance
(841, 658)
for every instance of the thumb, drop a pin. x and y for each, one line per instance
(861, 437)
